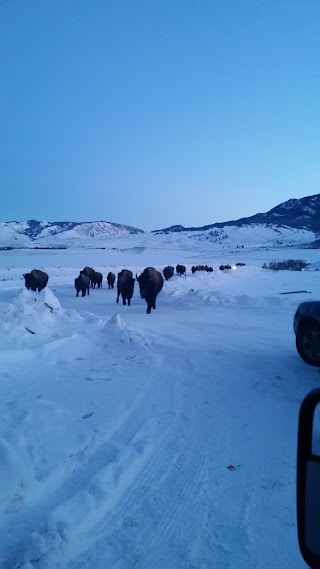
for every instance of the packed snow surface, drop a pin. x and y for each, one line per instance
(130, 440)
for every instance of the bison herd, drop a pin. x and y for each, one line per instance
(150, 281)
(228, 267)
(201, 268)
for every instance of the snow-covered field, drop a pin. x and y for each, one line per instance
(130, 440)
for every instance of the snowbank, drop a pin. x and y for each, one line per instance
(30, 314)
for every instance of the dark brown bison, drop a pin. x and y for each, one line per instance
(89, 271)
(125, 286)
(168, 272)
(82, 283)
(150, 283)
(240, 264)
(181, 270)
(96, 279)
(36, 279)
(111, 279)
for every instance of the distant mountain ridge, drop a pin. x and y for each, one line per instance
(301, 213)
(294, 222)
(27, 232)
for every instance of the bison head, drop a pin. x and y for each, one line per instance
(28, 280)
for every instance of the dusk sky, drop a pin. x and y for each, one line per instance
(157, 112)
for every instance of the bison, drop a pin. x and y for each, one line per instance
(181, 270)
(150, 283)
(89, 272)
(36, 279)
(125, 286)
(82, 283)
(96, 279)
(168, 272)
(240, 264)
(111, 279)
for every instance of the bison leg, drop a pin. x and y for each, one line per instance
(124, 300)
(118, 297)
(77, 292)
(88, 290)
(83, 292)
(149, 309)
(128, 301)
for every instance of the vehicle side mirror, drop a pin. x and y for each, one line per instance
(308, 479)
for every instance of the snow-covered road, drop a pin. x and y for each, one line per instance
(134, 441)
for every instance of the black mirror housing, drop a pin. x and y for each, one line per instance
(308, 483)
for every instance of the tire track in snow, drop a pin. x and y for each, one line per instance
(171, 455)
(175, 509)
(178, 465)
(82, 471)
(135, 424)
(133, 495)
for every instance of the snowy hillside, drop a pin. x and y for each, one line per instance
(60, 233)
(292, 223)
(301, 213)
(100, 235)
(255, 235)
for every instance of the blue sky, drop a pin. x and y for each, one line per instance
(155, 112)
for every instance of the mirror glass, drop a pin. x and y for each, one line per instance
(312, 508)
(316, 432)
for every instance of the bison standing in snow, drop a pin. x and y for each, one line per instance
(96, 279)
(89, 272)
(125, 286)
(111, 279)
(168, 272)
(82, 283)
(150, 283)
(181, 270)
(36, 279)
